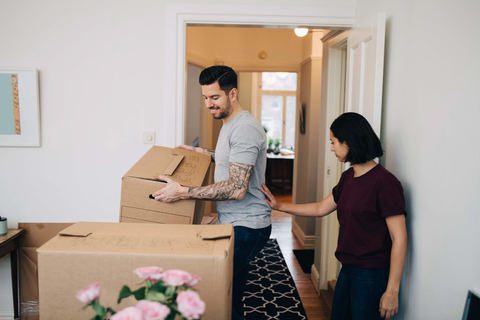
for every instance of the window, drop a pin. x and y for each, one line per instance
(277, 97)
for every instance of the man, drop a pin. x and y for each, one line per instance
(240, 158)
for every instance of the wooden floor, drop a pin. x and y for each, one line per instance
(282, 231)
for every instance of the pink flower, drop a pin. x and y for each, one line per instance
(149, 273)
(90, 293)
(190, 305)
(153, 310)
(176, 278)
(130, 313)
(193, 281)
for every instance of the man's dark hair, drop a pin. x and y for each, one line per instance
(361, 140)
(226, 77)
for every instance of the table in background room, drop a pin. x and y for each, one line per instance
(279, 173)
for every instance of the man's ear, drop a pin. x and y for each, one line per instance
(233, 94)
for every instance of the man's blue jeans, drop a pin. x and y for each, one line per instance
(248, 243)
(358, 292)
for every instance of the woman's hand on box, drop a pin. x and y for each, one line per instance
(172, 192)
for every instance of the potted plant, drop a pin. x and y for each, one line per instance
(277, 147)
(270, 145)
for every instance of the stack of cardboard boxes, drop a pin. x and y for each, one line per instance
(151, 233)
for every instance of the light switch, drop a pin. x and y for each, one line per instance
(148, 137)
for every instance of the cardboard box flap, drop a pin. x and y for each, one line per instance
(36, 234)
(173, 165)
(216, 232)
(82, 229)
(185, 167)
(139, 239)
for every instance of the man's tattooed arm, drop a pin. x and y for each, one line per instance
(233, 188)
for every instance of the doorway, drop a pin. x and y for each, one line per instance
(262, 58)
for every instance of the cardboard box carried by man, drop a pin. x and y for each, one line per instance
(185, 167)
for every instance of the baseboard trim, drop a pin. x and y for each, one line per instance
(315, 278)
(307, 242)
(6, 315)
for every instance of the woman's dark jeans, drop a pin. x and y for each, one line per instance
(358, 292)
(248, 243)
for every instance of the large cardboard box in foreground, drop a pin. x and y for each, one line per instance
(185, 167)
(36, 234)
(108, 253)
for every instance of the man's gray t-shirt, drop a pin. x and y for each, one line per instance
(242, 140)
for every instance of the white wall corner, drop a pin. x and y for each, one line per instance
(307, 242)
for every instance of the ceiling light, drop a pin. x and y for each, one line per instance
(301, 32)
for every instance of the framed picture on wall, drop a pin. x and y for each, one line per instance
(19, 108)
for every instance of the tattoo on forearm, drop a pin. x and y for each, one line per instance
(211, 153)
(236, 185)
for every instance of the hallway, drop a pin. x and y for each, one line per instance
(315, 306)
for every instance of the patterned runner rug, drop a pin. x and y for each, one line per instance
(271, 292)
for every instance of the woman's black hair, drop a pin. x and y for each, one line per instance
(353, 129)
(226, 77)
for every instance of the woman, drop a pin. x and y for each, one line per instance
(371, 210)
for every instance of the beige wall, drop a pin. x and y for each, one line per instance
(306, 157)
(245, 90)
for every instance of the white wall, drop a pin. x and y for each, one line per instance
(431, 136)
(102, 83)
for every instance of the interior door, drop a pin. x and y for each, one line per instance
(365, 55)
(356, 88)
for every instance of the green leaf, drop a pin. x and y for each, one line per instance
(170, 291)
(171, 316)
(174, 307)
(139, 294)
(97, 317)
(112, 312)
(159, 286)
(100, 310)
(155, 296)
(125, 292)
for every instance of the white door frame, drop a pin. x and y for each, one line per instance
(329, 265)
(181, 15)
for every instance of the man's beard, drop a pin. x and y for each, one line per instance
(225, 113)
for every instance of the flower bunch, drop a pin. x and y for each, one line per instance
(164, 296)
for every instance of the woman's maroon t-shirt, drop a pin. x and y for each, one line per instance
(363, 203)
